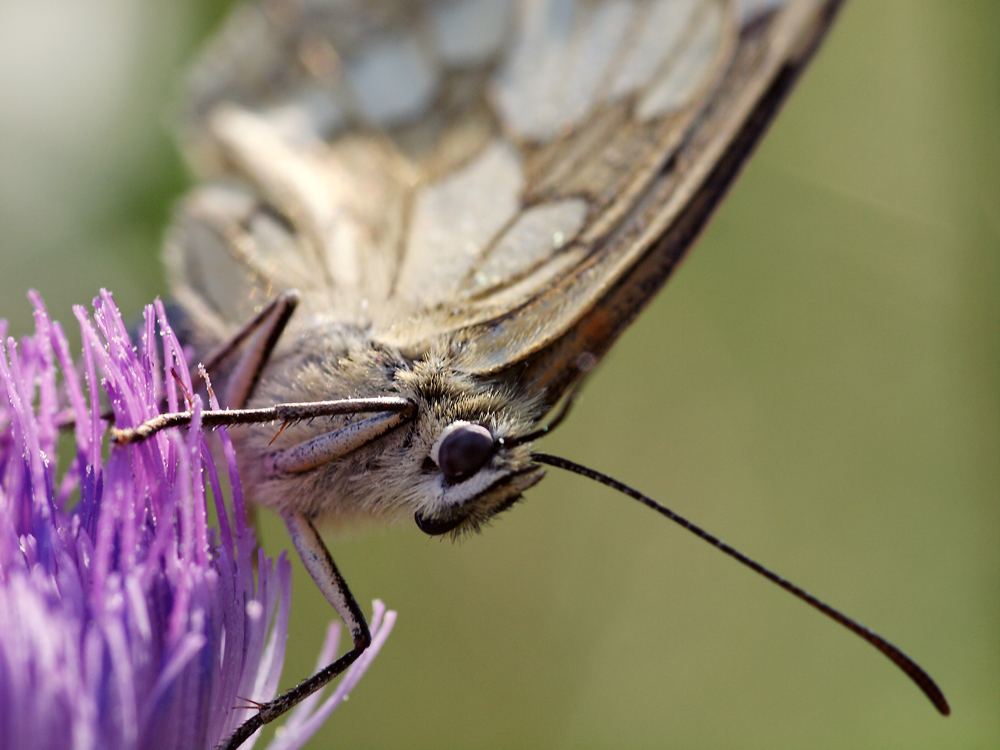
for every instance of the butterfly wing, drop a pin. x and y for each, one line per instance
(509, 181)
(683, 156)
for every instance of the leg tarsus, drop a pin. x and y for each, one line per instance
(324, 572)
(286, 701)
(260, 335)
(277, 413)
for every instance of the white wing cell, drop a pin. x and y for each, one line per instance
(470, 32)
(662, 27)
(538, 232)
(393, 80)
(690, 69)
(454, 221)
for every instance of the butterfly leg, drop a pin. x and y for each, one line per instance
(260, 335)
(287, 413)
(324, 572)
(333, 445)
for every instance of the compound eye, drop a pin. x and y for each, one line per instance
(462, 450)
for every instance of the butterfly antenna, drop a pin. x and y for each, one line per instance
(553, 423)
(897, 657)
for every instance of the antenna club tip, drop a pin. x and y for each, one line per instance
(941, 704)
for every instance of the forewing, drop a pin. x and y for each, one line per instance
(627, 125)
(649, 182)
(507, 180)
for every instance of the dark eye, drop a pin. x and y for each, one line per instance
(463, 449)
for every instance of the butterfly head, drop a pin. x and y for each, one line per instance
(477, 476)
(472, 463)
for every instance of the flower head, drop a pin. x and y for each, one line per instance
(126, 620)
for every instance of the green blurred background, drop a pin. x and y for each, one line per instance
(819, 386)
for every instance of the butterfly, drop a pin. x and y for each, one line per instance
(421, 224)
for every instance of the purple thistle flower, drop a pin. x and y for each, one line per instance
(125, 620)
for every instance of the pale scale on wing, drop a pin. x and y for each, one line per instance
(661, 28)
(534, 237)
(454, 221)
(222, 279)
(535, 67)
(470, 32)
(515, 289)
(308, 116)
(556, 68)
(598, 43)
(393, 80)
(275, 54)
(314, 193)
(691, 68)
(339, 248)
